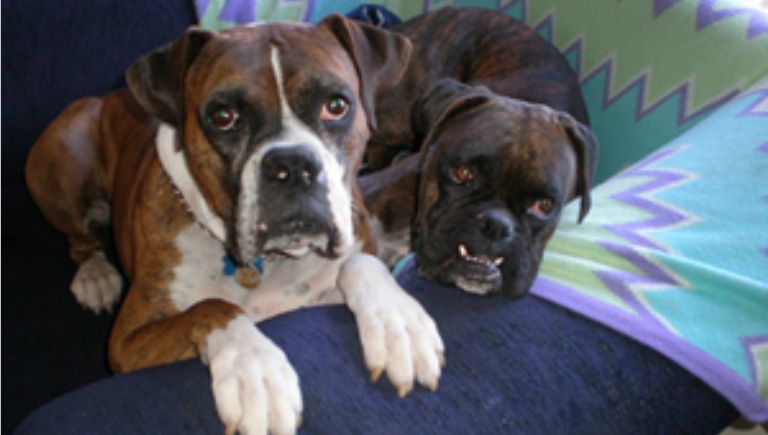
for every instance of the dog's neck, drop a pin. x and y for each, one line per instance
(173, 162)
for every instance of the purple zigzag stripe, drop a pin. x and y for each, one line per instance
(426, 6)
(310, 10)
(202, 6)
(707, 14)
(749, 343)
(240, 12)
(661, 6)
(246, 11)
(502, 5)
(620, 282)
(662, 216)
(753, 109)
(575, 49)
(547, 22)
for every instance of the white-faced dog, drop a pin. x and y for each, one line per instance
(228, 172)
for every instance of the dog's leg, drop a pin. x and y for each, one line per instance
(390, 198)
(254, 386)
(64, 173)
(397, 335)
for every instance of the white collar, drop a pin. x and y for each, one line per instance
(175, 165)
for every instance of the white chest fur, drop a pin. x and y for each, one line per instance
(285, 284)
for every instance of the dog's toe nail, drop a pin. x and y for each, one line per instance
(403, 390)
(432, 385)
(376, 374)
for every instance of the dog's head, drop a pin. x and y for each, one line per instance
(495, 175)
(271, 123)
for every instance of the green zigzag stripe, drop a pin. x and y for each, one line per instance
(265, 10)
(623, 138)
(575, 254)
(640, 45)
(281, 10)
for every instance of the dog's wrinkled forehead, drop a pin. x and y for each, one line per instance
(520, 143)
(242, 60)
(510, 130)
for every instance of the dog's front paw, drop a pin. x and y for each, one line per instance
(97, 283)
(397, 335)
(255, 388)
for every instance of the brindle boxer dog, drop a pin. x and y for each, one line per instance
(243, 143)
(502, 145)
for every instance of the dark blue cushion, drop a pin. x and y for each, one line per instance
(513, 367)
(52, 53)
(56, 51)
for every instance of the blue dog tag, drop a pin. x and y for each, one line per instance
(230, 267)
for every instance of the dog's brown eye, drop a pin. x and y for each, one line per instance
(463, 173)
(224, 118)
(541, 208)
(334, 109)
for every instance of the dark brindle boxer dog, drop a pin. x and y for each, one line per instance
(246, 143)
(502, 142)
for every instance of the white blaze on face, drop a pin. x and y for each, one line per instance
(294, 134)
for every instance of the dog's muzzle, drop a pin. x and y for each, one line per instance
(296, 216)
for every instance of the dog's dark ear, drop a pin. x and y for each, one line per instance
(157, 79)
(585, 146)
(445, 100)
(380, 56)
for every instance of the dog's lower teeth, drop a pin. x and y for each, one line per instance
(464, 253)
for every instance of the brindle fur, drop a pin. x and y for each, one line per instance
(467, 63)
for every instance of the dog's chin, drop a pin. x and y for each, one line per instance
(477, 275)
(291, 239)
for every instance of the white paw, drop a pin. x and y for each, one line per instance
(97, 284)
(255, 388)
(397, 335)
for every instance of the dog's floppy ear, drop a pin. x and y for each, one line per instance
(157, 79)
(445, 100)
(585, 146)
(380, 56)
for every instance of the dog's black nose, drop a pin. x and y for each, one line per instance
(292, 166)
(496, 225)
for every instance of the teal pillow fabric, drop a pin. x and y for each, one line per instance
(675, 252)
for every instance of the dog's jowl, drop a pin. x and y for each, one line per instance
(228, 173)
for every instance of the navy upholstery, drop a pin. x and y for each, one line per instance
(513, 367)
(522, 367)
(52, 53)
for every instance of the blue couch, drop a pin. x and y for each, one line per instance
(528, 366)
